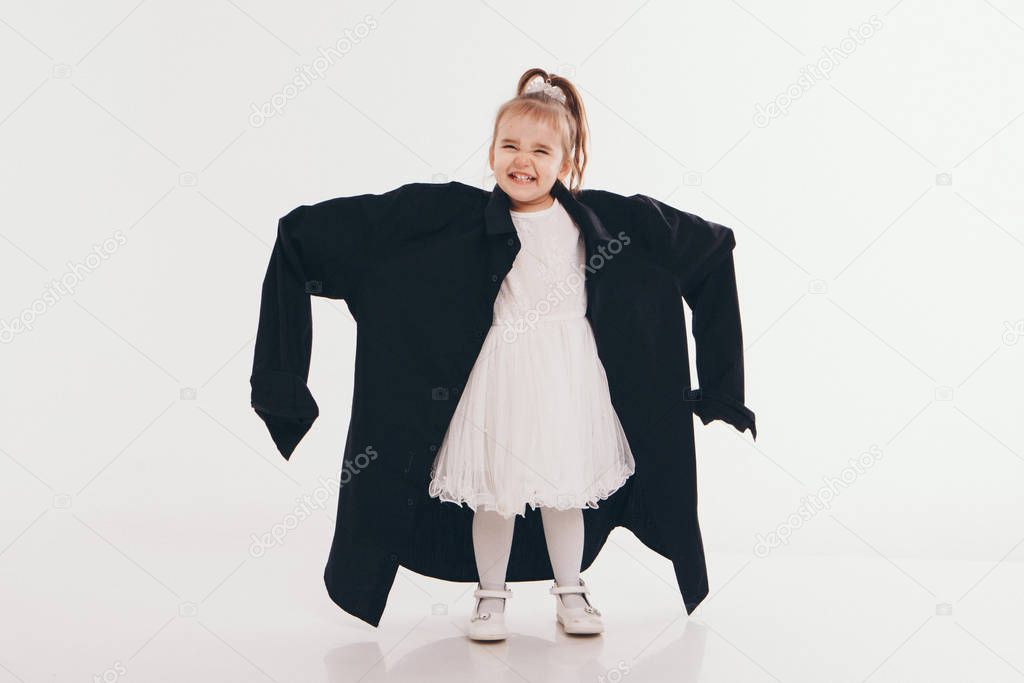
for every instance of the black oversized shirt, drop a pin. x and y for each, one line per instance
(419, 268)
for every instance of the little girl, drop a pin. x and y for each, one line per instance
(535, 425)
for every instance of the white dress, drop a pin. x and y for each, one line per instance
(535, 423)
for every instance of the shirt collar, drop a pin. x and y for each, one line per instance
(499, 221)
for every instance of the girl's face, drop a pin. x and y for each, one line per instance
(526, 157)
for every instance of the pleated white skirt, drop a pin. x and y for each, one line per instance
(535, 424)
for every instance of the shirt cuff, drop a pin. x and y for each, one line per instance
(712, 406)
(286, 406)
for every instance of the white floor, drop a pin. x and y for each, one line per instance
(92, 612)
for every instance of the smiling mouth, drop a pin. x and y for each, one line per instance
(521, 178)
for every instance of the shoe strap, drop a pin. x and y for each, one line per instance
(558, 590)
(486, 593)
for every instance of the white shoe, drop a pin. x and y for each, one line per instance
(489, 625)
(576, 620)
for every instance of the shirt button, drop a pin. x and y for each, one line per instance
(510, 242)
(394, 556)
(494, 278)
(409, 501)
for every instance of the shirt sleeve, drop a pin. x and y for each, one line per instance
(700, 255)
(309, 237)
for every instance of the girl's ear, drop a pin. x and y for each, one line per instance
(566, 166)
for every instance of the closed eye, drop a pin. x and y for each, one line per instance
(542, 151)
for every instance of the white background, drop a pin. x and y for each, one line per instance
(881, 303)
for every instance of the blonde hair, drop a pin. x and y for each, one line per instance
(569, 117)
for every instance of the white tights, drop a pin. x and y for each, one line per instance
(492, 544)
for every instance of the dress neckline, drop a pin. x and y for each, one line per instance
(531, 214)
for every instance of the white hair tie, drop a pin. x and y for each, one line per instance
(539, 84)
